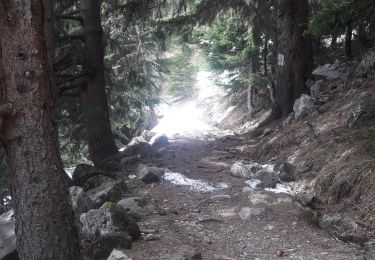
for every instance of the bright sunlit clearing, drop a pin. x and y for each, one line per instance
(186, 117)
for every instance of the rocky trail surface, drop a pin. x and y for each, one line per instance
(221, 217)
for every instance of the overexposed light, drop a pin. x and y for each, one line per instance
(181, 118)
(187, 117)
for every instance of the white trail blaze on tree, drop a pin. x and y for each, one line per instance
(44, 218)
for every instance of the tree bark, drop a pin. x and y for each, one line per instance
(44, 217)
(97, 121)
(258, 44)
(265, 56)
(348, 41)
(295, 59)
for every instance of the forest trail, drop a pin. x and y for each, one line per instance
(230, 222)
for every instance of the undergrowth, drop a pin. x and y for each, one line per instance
(369, 132)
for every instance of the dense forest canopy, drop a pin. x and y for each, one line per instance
(89, 76)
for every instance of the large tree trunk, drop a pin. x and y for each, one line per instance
(44, 217)
(348, 40)
(258, 44)
(97, 122)
(295, 59)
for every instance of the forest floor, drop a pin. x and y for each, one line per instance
(227, 223)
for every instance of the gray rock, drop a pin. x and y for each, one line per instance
(315, 89)
(130, 160)
(246, 171)
(334, 71)
(110, 191)
(149, 174)
(287, 122)
(7, 235)
(105, 244)
(338, 222)
(83, 172)
(366, 67)
(80, 202)
(96, 181)
(356, 110)
(118, 255)
(303, 106)
(159, 141)
(144, 149)
(151, 237)
(309, 83)
(246, 213)
(110, 218)
(134, 206)
(267, 179)
(286, 172)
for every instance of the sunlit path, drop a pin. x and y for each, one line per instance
(187, 117)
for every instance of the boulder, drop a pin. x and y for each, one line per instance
(97, 181)
(118, 255)
(110, 191)
(366, 67)
(334, 71)
(303, 106)
(134, 206)
(354, 113)
(7, 235)
(286, 172)
(130, 160)
(149, 174)
(338, 222)
(315, 89)
(83, 172)
(159, 141)
(80, 202)
(108, 219)
(268, 179)
(144, 149)
(246, 171)
(105, 244)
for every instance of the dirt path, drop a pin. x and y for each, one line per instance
(236, 224)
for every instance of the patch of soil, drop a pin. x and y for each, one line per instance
(247, 225)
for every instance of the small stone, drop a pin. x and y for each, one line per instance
(220, 197)
(279, 253)
(246, 213)
(151, 237)
(118, 255)
(207, 240)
